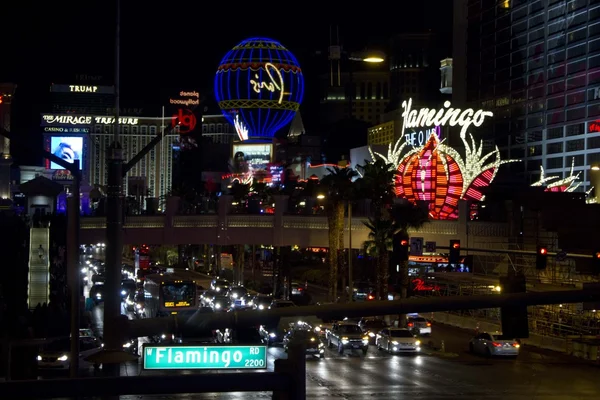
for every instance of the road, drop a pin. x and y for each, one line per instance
(536, 374)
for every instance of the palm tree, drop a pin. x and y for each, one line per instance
(377, 184)
(239, 192)
(339, 188)
(381, 232)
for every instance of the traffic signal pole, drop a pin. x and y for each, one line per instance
(114, 225)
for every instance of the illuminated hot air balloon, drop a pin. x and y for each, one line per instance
(260, 82)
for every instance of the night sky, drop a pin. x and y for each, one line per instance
(178, 44)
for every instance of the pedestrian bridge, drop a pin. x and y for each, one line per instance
(277, 229)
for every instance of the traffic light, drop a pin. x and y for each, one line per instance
(400, 249)
(541, 257)
(596, 262)
(454, 255)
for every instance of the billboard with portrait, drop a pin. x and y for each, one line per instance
(69, 148)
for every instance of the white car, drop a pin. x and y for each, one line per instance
(397, 340)
(55, 355)
(418, 325)
(494, 344)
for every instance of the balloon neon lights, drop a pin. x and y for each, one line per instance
(260, 82)
(446, 116)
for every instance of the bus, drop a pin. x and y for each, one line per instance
(142, 258)
(169, 293)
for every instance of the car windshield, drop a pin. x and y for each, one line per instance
(221, 282)
(59, 345)
(401, 333)
(501, 337)
(264, 300)
(418, 319)
(349, 329)
(374, 324)
(239, 291)
(221, 299)
(304, 335)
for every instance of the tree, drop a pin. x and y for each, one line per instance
(339, 188)
(239, 192)
(377, 184)
(381, 232)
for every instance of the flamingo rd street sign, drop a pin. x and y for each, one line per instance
(205, 357)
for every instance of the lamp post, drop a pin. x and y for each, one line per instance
(595, 181)
(372, 57)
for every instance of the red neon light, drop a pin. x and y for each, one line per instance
(185, 119)
(594, 126)
(421, 286)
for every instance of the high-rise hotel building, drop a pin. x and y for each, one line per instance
(89, 135)
(536, 65)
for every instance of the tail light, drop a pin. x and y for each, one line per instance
(429, 324)
(517, 345)
(370, 297)
(300, 289)
(410, 324)
(496, 344)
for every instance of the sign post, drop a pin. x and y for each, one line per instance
(204, 357)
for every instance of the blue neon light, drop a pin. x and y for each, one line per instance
(262, 113)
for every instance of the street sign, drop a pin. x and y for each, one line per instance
(561, 256)
(205, 357)
(416, 246)
(430, 247)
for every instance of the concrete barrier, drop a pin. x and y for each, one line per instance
(474, 324)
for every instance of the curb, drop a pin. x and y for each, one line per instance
(436, 353)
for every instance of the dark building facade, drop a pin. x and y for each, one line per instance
(536, 65)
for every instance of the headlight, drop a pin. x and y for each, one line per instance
(64, 357)
(250, 303)
(39, 358)
(344, 338)
(235, 295)
(321, 345)
(345, 341)
(163, 336)
(318, 329)
(127, 345)
(365, 338)
(395, 343)
(123, 292)
(98, 295)
(418, 343)
(84, 270)
(138, 306)
(261, 307)
(218, 289)
(272, 335)
(217, 306)
(371, 334)
(312, 339)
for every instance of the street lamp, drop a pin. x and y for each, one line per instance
(594, 177)
(369, 56)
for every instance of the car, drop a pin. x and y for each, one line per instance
(397, 340)
(236, 295)
(494, 344)
(56, 355)
(220, 285)
(370, 327)
(312, 344)
(418, 325)
(262, 301)
(97, 293)
(221, 303)
(363, 291)
(86, 332)
(207, 296)
(281, 304)
(347, 336)
(240, 336)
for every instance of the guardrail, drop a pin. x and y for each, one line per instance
(150, 384)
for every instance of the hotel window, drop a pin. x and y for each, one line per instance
(578, 160)
(593, 143)
(143, 129)
(533, 165)
(555, 133)
(535, 150)
(554, 148)
(553, 163)
(575, 145)
(576, 113)
(575, 129)
(153, 129)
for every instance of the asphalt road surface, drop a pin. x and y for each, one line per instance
(535, 374)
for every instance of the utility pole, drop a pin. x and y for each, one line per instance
(73, 265)
(350, 275)
(114, 224)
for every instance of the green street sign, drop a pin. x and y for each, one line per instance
(205, 357)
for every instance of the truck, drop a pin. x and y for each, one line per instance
(347, 336)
